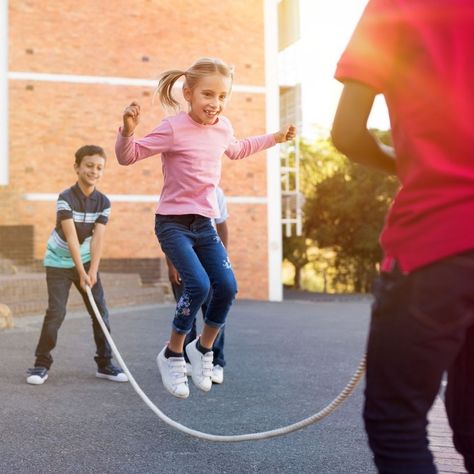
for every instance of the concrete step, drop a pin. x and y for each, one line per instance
(13, 287)
(27, 294)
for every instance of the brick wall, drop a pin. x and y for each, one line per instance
(113, 38)
(50, 120)
(9, 202)
(16, 243)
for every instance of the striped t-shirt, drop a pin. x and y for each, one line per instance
(85, 211)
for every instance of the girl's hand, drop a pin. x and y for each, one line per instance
(286, 133)
(131, 117)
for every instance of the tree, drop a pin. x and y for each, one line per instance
(318, 161)
(346, 212)
(295, 250)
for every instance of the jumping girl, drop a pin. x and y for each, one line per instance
(191, 146)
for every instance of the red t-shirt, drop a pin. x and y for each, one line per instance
(420, 55)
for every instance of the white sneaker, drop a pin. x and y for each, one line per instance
(110, 372)
(217, 374)
(173, 374)
(37, 375)
(189, 369)
(201, 366)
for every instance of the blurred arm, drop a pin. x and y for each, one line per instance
(350, 134)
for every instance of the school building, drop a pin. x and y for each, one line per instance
(67, 71)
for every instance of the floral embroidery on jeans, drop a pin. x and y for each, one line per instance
(227, 263)
(183, 305)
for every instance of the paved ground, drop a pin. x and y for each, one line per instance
(285, 362)
(448, 461)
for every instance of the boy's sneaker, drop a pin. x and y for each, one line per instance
(201, 366)
(217, 374)
(173, 374)
(110, 372)
(37, 375)
(189, 369)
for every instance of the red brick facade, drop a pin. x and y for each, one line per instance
(49, 120)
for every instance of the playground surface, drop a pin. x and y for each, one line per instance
(286, 361)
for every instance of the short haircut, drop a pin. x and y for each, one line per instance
(89, 150)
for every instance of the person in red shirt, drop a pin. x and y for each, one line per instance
(418, 54)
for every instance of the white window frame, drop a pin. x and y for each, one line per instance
(275, 286)
(4, 160)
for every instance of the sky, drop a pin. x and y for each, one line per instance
(326, 27)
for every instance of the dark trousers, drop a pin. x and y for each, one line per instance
(59, 281)
(218, 346)
(422, 327)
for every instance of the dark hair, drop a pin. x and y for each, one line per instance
(89, 150)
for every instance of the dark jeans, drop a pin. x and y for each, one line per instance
(422, 326)
(59, 282)
(218, 346)
(193, 246)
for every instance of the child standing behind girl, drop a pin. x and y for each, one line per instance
(191, 146)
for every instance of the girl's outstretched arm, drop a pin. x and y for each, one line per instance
(239, 149)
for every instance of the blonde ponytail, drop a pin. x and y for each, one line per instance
(165, 88)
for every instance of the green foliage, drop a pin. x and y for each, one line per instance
(344, 212)
(318, 161)
(295, 250)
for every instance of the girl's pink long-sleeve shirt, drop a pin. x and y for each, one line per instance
(191, 160)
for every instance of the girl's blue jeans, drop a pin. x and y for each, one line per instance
(218, 346)
(191, 243)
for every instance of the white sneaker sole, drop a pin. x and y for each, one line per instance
(112, 378)
(35, 380)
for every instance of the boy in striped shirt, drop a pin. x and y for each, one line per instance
(72, 257)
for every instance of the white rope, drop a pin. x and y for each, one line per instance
(348, 389)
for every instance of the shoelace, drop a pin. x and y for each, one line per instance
(36, 371)
(207, 364)
(112, 370)
(177, 367)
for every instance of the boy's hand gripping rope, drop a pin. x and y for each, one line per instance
(348, 389)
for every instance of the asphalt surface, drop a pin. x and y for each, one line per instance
(286, 361)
